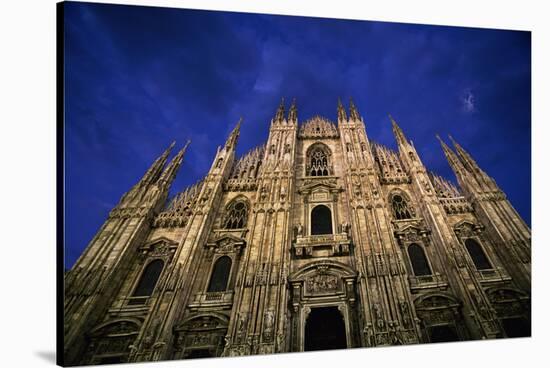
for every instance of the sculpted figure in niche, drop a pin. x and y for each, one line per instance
(345, 227)
(299, 230)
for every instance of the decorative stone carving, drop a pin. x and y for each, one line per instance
(321, 283)
(318, 127)
(269, 321)
(299, 230)
(405, 314)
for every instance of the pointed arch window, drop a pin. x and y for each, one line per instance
(477, 254)
(237, 214)
(220, 275)
(146, 285)
(400, 208)
(419, 262)
(318, 161)
(321, 220)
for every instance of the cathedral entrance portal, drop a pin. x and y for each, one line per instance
(325, 329)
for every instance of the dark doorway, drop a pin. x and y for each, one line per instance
(446, 333)
(321, 220)
(325, 330)
(516, 327)
(199, 353)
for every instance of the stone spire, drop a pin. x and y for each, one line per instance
(156, 168)
(471, 165)
(293, 112)
(452, 158)
(280, 114)
(342, 116)
(399, 135)
(353, 113)
(231, 142)
(172, 169)
(466, 159)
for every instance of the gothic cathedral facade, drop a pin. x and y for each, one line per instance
(319, 239)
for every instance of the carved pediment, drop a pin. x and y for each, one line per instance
(226, 243)
(323, 267)
(126, 326)
(436, 301)
(410, 232)
(203, 322)
(162, 239)
(160, 247)
(310, 184)
(464, 229)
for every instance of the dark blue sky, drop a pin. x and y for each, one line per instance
(139, 77)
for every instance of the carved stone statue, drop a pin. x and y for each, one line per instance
(299, 230)
(345, 227)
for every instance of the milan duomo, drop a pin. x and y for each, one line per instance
(320, 239)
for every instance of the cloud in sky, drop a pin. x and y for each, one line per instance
(468, 102)
(139, 77)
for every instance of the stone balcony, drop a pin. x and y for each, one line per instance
(492, 275)
(215, 299)
(322, 245)
(427, 282)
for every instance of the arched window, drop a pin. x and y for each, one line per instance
(477, 254)
(236, 215)
(419, 262)
(400, 208)
(321, 220)
(148, 281)
(318, 161)
(220, 275)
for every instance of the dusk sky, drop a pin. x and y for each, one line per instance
(138, 78)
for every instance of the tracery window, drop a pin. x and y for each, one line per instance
(400, 208)
(220, 275)
(236, 216)
(477, 254)
(318, 162)
(419, 262)
(147, 282)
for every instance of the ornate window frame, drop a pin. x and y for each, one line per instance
(328, 153)
(465, 230)
(225, 245)
(229, 207)
(103, 332)
(407, 199)
(162, 249)
(135, 300)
